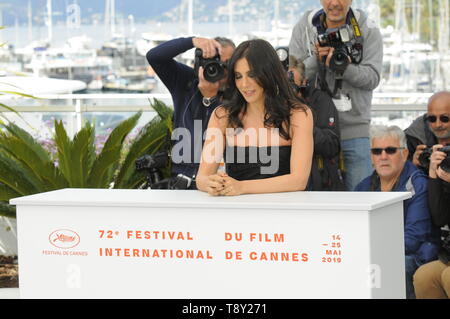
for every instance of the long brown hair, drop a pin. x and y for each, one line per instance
(269, 73)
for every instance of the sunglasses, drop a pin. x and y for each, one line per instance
(442, 118)
(389, 150)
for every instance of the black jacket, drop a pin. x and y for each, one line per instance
(325, 173)
(189, 111)
(439, 201)
(419, 133)
(439, 204)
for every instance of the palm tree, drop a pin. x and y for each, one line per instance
(26, 168)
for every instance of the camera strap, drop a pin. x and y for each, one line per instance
(319, 21)
(351, 20)
(322, 80)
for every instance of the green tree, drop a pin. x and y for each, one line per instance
(428, 13)
(26, 168)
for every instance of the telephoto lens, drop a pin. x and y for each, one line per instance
(213, 68)
(157, 160)
(424, 158)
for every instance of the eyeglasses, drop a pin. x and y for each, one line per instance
(442, 118)
(389, 150)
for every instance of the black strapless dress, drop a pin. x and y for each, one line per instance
(256, 162)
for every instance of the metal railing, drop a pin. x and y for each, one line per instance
(81, 104)
(90, 102)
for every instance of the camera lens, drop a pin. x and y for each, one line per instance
(445, 165)
(213, 72)
(424, 158)
(340, 58)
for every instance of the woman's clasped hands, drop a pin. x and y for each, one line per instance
(221, 184)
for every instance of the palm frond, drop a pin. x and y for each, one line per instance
(6, 193)
(13, 175)
(75, 157)
(63, 147)
(153, 137)
(107, 161)
(29, 140)
(7, 210)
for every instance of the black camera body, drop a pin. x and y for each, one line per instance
(153, 165)
(346, 49)
(298, 89)
(283, 55)
(444, 253)
(213, 68)
(424, 158)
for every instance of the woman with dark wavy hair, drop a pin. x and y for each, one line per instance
(264, 132)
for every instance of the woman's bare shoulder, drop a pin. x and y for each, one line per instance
(220, 116)
(300, 112)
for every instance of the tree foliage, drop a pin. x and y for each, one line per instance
(26, 168)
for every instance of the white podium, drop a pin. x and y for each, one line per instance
(96, 243)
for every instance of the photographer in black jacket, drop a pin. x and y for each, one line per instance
(432, 280)
(325, 172)
(429, 129)
(194, 97)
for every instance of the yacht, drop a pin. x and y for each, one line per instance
(74, 61)
(34, 85)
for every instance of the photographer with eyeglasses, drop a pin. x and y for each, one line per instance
(394, 173)
(432, 128)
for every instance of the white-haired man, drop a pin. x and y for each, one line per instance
(394, 173)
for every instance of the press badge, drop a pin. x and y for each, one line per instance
(343, 103)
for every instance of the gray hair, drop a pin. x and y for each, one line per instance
(225, 42)
(297, 64)
(382, 131)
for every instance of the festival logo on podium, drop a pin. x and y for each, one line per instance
(64, 239)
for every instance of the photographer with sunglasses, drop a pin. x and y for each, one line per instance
(429, 129)
(394, 173)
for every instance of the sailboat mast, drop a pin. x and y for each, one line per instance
(276, 19)
(49, 21)
(230, 18)
(113, 17)
(190, 17)
(30, 22)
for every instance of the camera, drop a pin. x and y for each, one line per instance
(283, 55)
(213, 68)
(346, 49)
(445, 164)
(158, 160)
(153, 165)
(424, 158)
(444, 253)
(298, 89)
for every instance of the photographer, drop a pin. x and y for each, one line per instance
(429, 129)
(432, 280)
(325, 173)
(194, 98)
(343, 52)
